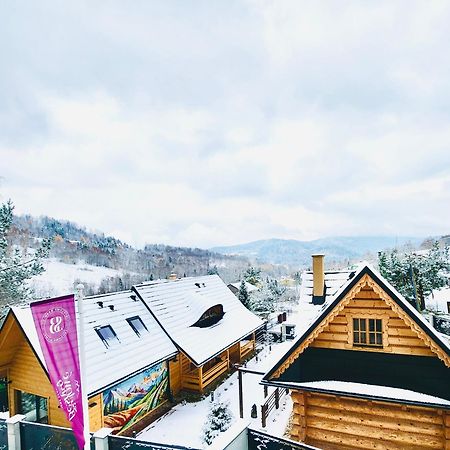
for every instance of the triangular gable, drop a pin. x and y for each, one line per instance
(366, 279)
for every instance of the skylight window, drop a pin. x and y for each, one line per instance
(210, 317)
(137, 325)
(107, 335)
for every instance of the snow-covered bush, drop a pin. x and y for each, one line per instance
(218, 420)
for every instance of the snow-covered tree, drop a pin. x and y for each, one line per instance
(16, 266)
(218, 420)
(262, 302)
(416, 275)
(243, 295)
(253, 276)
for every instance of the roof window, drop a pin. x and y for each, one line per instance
(138, 325)
(107, 335)
(210, 317)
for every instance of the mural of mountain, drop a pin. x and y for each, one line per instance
(298, 253)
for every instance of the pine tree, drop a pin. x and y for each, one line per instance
(263, 301)
(243, 295)
(15, 267)
(218, 420)
(415, 276)
(253, 276)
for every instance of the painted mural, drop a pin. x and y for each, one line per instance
(129, 401)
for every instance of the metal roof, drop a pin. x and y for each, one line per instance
(178, 304)
(132, 353)
(334, 280)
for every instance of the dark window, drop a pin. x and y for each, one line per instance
(107, 335)
(137, 325)
(33, 407)
(210, 317)
(368, 332)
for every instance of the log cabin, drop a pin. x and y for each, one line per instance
(369, 373)
(128, 359)
(207, 323)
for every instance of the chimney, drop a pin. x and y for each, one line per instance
(173, 276)
(318, 297)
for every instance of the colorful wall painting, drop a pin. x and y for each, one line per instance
(129, 401)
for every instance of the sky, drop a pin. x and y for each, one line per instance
(202, 123)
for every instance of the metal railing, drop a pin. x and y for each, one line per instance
(3, 435)
(272, 402)
(121, 443)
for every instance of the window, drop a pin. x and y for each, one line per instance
(33, 407)
(368, 332)
(137, 325)
(107, 335)
(210, 317)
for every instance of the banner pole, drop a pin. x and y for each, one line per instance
(81, 321)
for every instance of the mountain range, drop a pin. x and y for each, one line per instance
(298, 253)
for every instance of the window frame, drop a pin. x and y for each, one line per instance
(366, 317)
(18, 396)
(106, 342)
(130, 319)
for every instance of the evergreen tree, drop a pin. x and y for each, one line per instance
(15, 267)
(243, 295)
(263, 301)
(218, 420)
(253, 276)
(415, 276)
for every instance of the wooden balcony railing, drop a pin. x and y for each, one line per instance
(246, 347)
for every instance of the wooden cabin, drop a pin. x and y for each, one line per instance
(128, 359)
(208, 324)
(369, 373)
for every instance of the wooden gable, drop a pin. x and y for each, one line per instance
(367, 297)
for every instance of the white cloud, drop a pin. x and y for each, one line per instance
(228, 122)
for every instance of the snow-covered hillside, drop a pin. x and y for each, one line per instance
(60, 278)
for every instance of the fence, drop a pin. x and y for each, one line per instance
(17, 434)
(121, 443)
(258, 440)
(442, 324)
(273, 401)
(3, 435)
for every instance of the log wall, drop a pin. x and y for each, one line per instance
(338, 422)
(175, 374)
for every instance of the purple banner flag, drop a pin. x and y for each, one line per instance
(56, 326)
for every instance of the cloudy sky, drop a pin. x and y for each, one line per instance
(206, 123)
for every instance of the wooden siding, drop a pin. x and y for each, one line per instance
(95, 405)
(398, 336)
(27, 375)
(175, 374)
(338, 422)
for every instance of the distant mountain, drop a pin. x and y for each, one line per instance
(298, 253)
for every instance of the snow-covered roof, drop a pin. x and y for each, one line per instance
(178, 304)
(438, 300)
(334, 280)
(123, 358)
(250, 287)
(371, 391)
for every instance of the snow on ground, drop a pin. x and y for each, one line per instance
(438, 300)
(59, 277)
(183, 424)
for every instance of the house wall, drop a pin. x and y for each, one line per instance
(175, 375)
(398, 336)
(26, 374)
(338, 422)
(95, 408)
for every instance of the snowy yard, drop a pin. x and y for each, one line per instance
(183, 424)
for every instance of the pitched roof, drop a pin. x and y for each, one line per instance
(439, 345)
(334, 280)
(178, 304)
(250, 287)
(106, 366)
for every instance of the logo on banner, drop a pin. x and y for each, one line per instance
(55, 324)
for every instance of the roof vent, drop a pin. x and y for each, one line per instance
(133, 297)
(111, 307)
(100, 304)
(203, 284)
(198, 285)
